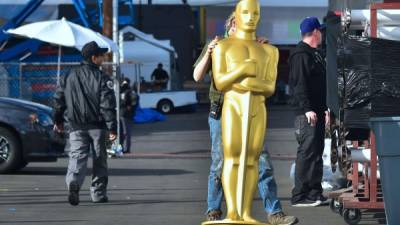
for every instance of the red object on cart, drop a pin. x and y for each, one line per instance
(366, 192)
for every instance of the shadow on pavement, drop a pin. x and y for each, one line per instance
(143, 202)
(279, 116)
(41, 221)
(191, 152)
(54, 171)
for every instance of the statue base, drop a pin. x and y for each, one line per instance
(232, 222)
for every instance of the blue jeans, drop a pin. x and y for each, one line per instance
(266, 182)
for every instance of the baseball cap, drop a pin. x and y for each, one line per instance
(92, 48)
(309, 24)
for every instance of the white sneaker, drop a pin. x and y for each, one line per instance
(307, 203)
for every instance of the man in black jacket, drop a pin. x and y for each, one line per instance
(85, 97)
(160, 76)
(307, 80)
(127, 112)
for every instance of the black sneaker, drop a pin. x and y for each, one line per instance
(73, 196)
(101, 200)
(306, 203)
(324, 200)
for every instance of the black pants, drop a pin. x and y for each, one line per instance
(126, 134)
(309, 164)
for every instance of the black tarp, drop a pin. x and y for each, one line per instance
(385, 81)
(371, 73)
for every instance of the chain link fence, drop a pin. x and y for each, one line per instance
(37, 82)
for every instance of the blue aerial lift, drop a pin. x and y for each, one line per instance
(122, 19)
(88, 18)
(13, 50)
(28, 46)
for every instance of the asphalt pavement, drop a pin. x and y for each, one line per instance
(163, 181)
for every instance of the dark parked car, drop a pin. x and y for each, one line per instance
(26, 135)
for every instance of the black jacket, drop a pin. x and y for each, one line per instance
(87, 96)
(307, 80)
(128, 102)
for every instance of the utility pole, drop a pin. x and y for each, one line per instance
(108, 18)
(116, 66)
(110, 29)
(139, 22)
(108, 24)
(115, 29)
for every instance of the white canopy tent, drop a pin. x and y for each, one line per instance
(148, 51)
(149, 38)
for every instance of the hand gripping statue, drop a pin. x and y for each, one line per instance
(245, 71)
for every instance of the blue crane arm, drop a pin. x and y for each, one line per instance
(28, 46)
(123, 19)
(80, 7)
(19, 18)
(32, 46)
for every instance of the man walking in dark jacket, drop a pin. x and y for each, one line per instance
(87, 98)
(307, 80)
(127, 112)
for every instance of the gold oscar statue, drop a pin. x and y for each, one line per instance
(245, 71)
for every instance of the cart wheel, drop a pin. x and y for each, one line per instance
(336, 206)
(352, 216)
(165, 106)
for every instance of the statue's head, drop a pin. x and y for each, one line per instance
(247, 15)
